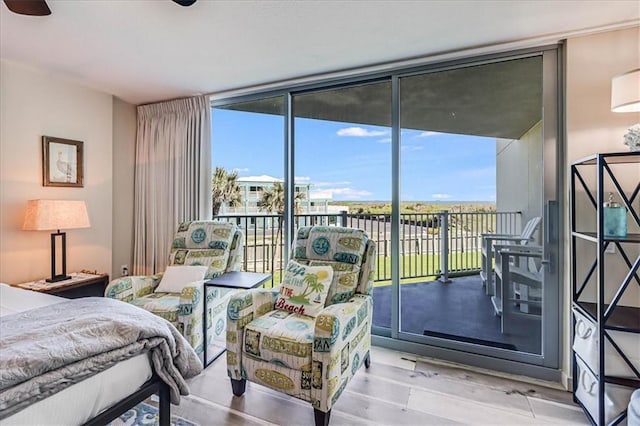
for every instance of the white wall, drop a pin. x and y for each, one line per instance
(124, 152)
(592, 128)
(32, 104)
(519, 176)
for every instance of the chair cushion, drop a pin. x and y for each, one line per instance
(281, 338)
(203, 243)
(337, 244)
(304, 288)
(165, 305)
(175, 277)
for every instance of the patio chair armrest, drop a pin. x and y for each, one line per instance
(492, 235)
(341, 341)
(244, 307)
(498, 237)
(528, 250)
(129, 288)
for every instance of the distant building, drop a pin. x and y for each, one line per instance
(252, 187)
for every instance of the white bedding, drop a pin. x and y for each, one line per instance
(82, 401)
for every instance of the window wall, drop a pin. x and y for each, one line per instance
(425, 160)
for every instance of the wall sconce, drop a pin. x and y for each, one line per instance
(46, 215)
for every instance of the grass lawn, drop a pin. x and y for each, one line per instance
(417, 268)
(425, 267)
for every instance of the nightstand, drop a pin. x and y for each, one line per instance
(80, 284)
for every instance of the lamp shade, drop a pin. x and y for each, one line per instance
(42, 215)
(625, 92)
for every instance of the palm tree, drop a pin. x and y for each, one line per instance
(272, 201)
(225, 189)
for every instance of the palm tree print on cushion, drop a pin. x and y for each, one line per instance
(304, 289)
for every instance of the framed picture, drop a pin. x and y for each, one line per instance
(62, 162)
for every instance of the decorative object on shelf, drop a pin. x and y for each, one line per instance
(632, 137)
(62, 162)
(615, 218)
(46, 215)
(625, 97)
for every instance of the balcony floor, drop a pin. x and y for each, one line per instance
(458, 310)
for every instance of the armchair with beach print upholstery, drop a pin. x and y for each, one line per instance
(218, 245)
(269, 340)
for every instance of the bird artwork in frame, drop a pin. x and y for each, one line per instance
(62, 162)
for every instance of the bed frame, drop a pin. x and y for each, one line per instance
(153, 386)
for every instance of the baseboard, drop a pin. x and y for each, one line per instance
(567, 381)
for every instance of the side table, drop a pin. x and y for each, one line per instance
(80, 284)
(224, 285)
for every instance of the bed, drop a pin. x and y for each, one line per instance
(97, 399)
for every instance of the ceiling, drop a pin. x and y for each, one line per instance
(147, 51)
(502, 100)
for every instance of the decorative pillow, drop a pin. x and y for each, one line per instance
(344, 282)
(176, 277)
(304, 289)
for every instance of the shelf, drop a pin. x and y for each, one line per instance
(623, 381)
(623, 318)
(611, 158)
(623, 321)
(593, 237)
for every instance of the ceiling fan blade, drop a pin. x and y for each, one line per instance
(28, 7)
(184, 2)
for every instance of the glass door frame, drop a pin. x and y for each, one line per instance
(545, 366)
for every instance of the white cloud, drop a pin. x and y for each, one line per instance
(351, 191)
(426, 134)
(325, 184)
(302, 179)
(348, 193)
(360, 132)
(441, 196)
(410, 148)
(241, 170)
(385, 140)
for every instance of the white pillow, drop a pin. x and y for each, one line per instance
(176, 277)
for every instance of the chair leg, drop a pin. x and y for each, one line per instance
(367, 360)
(238, 386)
(322, 418)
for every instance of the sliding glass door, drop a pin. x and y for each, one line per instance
(471, 147)
(342, 169)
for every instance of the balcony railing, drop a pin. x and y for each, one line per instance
(431, 245)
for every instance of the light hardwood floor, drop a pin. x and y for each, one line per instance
(398, 389)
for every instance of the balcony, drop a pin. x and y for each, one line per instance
(424, 240)
(441, 292)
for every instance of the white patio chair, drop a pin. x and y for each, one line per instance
(518, 282)
(488, 240)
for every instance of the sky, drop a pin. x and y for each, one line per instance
(352, 162)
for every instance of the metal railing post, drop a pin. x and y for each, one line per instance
(343, 214)
(444, 246)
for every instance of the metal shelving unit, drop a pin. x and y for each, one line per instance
(606, 315)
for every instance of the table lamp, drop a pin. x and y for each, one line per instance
(46, 215)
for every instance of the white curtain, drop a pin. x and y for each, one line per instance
(172, 176)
